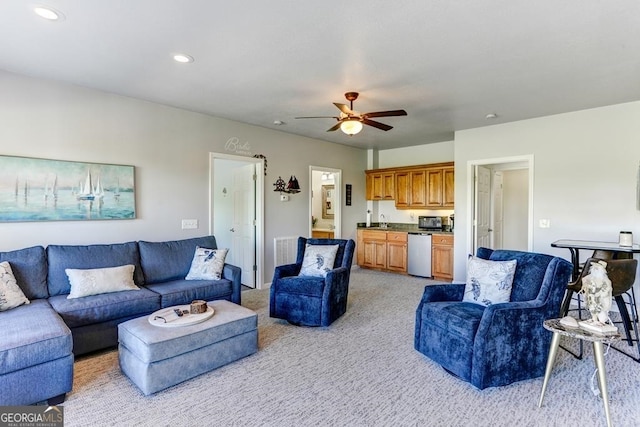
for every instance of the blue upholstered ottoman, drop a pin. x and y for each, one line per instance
(155, 358)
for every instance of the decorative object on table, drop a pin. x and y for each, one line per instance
(597, 290)
(58, 190)
(198, 306)
(626, 238)
(172, 317)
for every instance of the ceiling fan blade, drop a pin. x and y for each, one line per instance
(389, 113)
(378, 125)
(335, 127)
(318, 117)
(344, 108)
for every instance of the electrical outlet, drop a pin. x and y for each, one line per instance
(189, 224)
(544, 223)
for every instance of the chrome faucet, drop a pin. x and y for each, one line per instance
(383, 221)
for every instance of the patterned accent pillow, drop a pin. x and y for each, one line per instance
(207, 264)
(318, 260)
(11, 295)
(94, 281)
(489, 282)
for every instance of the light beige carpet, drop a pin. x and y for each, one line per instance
(361, 371)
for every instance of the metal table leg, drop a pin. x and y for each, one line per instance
(598, 351)
(553, 352)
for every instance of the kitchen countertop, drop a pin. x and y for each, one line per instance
(409, 228)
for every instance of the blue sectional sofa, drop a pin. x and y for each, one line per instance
(38, 340)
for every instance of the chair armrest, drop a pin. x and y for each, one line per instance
(443, 292)
(513, 334)
(234, 274)
(286, 270)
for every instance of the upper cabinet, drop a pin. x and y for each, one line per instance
(380, 185)
(414, 187)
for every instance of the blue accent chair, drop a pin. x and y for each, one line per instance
(312, 301)
(502, 343)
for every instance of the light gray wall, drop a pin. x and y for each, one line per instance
(585, 174)
(169, 148)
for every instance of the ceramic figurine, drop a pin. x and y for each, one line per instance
(597, 289)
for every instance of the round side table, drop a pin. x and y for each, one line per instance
(598, 341)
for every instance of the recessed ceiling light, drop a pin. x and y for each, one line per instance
(48, 13)
(491, 116)
(279, 122)
(181, 57)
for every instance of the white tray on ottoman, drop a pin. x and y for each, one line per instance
(155, 358)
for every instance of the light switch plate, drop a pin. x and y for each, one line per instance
(189, 224)
(544, 223)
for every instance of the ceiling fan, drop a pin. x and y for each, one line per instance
(350, 121)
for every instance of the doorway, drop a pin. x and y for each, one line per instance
(325, 214)
(236, 212)
(502, 204)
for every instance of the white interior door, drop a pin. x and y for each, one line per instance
(243, 222)
(482, 208)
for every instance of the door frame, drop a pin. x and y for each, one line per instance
(337, 180)
(259, 204)
(505, 163)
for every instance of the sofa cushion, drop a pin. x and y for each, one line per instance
(302, 285)
(29, 267)
(61, 257)
(11, 295)
(96, 281)
(30, 335)
(170, 260)
(530, 271)
(488, 282)
(459, 318)
(105, 307)
(207, 264)
(179, 292)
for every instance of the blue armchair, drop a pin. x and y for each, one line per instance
(503, 342)
(307, 300)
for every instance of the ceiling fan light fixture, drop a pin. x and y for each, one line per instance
(351, 126)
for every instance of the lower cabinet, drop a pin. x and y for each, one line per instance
(383, 250)
(321, 234)
(442, 257)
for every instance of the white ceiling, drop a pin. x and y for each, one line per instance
(447, 63)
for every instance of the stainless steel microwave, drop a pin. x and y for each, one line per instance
(430, 222)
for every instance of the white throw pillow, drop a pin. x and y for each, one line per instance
(100, 280)
(489, 282)
(318, 260)
(207, 264)
(11, 295)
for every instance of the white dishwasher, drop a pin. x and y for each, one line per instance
(419, 257)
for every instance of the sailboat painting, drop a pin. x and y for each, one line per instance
(57, 190)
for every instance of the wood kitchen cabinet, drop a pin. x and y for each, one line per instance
(413, 187)
(322, 234)
(382, 250)
(442, 256)
(440, 187)
(380, 185)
